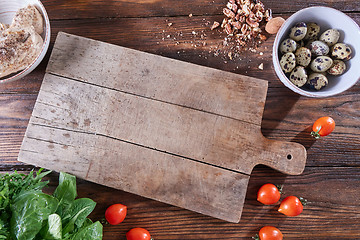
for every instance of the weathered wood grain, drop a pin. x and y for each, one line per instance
(163, 79)
(192, 185)
(231, 144)
(331, 177)
(330, 191)
(65, 9)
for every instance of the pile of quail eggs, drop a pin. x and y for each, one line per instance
(307, 58)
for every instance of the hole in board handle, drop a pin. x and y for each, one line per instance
(289, 156)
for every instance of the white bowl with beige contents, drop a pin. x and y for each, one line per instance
(24, 37)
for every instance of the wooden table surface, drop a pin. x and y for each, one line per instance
(331, 180)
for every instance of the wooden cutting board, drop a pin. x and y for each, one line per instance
(172, 131)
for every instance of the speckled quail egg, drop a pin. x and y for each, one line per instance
(321, 64)
(330, 37)
(299, 76)
(288, 62)
(313, 31)
(319, 48)
(288, 45)
(303, 56)
(338, 68)
(298, 31)
(341, 51)
(317, 81)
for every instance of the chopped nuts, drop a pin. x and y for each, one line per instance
(244, 19)
(215, 25)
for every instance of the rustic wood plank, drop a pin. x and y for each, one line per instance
(65, 9)
(230, 144)
(159, 78)
(167, 178)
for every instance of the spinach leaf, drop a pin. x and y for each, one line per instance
(11, 186)
(29, 210)
(53, 228)
(77, 214)
(93, 232)
(65, 192)
(87, 222)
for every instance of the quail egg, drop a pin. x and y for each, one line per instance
(303, 56)
(317, 81)
(330, 37)
(298, 32)
(288, 45)
(321, 64)
(298, 76)
(313, 31)
(338, 68)
(319, 48)
(341, 51)
(288, 62)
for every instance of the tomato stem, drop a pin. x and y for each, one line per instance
(104, 221)
(256, 237)
(280, 188)
(316, 134)
(303, 201)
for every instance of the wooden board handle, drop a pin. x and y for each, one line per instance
(286, 157)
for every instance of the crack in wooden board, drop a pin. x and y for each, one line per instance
(159, 78)
(230, 144)
(161, 114)
(202, 188)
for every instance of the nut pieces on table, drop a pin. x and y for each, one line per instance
(244, 19)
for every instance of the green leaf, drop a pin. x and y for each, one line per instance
(53, 228)
(29, 210)
(79, 210)
(87, 222)
(65, 192)
(93, 232)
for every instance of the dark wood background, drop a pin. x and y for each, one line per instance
(331, 180)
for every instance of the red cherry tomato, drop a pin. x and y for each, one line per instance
(291, 206)
(268, 194)
(323, 127)
(138, 234)
(270, 233)
(116, 213)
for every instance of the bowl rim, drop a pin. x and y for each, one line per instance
(44, 47)
(284, 79)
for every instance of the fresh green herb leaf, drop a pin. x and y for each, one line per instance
(53, 228)
(29, 210)
(77, 214)
(11, 186)
(93, 232)
(27, 213)
(65, 192)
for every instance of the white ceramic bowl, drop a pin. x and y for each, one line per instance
(326, 18)
(8, 8)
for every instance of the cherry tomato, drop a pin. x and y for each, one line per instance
(323, 127)
(292, 206)
(268, 194)
(116, 213)
(138, 234)
(270, 233)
